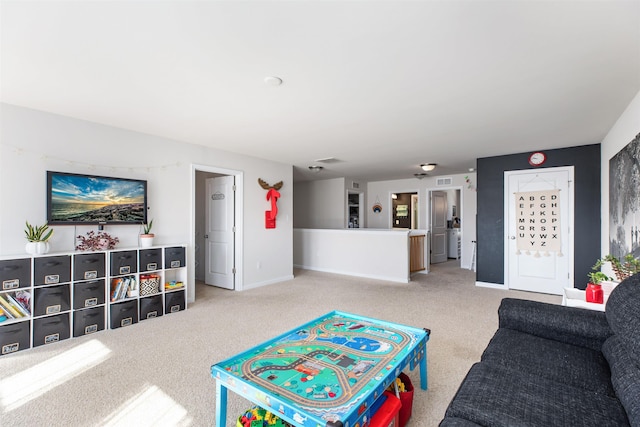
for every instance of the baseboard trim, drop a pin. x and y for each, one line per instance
(492, 285)
(344, 273)
(425, 271)
(266, 282)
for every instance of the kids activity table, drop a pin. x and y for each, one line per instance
(327, 372)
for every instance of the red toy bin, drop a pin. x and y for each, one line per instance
(406, 399)
(387, 414)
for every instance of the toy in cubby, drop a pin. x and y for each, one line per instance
(259, 417)
(173, 284)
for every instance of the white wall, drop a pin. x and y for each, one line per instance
(381, 190)
(376, 254)
(32, 142)
(626, 128)
(453, 197)
(320, 204)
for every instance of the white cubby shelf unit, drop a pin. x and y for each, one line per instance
(49, 298)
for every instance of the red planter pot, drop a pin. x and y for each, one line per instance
(594, 293)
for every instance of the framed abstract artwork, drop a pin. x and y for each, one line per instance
(624, 201)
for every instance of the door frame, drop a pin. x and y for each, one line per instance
(460, 209)
(238, 280)
(361, 216)
(571, 215)
(431, 233)
(415, 211)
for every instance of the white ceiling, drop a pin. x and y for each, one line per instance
(380, 85)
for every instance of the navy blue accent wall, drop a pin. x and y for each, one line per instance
(490, 220)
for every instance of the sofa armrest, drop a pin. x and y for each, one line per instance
(577, 326)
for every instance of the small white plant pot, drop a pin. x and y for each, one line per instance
(146, 240)
(37, 248)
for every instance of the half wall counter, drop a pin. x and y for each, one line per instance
(373, 253)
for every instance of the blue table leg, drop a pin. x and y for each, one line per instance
(423, 370)
(221, 404)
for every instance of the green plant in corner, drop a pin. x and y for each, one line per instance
(35, 233)
(629, 266)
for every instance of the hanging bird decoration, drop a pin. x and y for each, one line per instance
(272, 194)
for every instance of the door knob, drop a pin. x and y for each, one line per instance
(206, 236)
(513, 237)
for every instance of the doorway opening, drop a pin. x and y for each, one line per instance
(404, 211)
(445, 220)
(355, 209)
(217, 227)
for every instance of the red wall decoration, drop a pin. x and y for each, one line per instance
(273, 195)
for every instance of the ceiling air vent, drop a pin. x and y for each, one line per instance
(444, 181)
(327, 160)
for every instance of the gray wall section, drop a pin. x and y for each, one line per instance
(320, 204)
(490, 218)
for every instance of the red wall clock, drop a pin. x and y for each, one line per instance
(537, 158)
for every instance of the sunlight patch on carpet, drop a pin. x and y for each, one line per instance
(150, 407)
(27, 385)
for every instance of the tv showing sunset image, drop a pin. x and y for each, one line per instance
(89, 199)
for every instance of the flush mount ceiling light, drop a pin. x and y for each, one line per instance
(315, 169)
(428, 167)
(272, 81)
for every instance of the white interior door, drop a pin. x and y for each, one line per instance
(535, 218)
(438, 227)
(220, 213)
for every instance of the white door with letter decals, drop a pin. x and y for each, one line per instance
(538, 251)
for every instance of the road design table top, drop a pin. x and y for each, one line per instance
(327, 372)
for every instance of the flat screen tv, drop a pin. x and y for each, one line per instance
(75, 199)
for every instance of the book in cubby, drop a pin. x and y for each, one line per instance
(15, 305)
(123, 287)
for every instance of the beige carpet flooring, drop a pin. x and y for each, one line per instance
(157, 372)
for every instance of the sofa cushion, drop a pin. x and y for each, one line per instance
(496, 396)
(625, 376)
(623, 314)
(554, 360)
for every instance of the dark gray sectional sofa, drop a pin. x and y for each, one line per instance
(549, 365)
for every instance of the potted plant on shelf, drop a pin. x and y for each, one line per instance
(37, 238)
(594, 292)
(146, 238)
